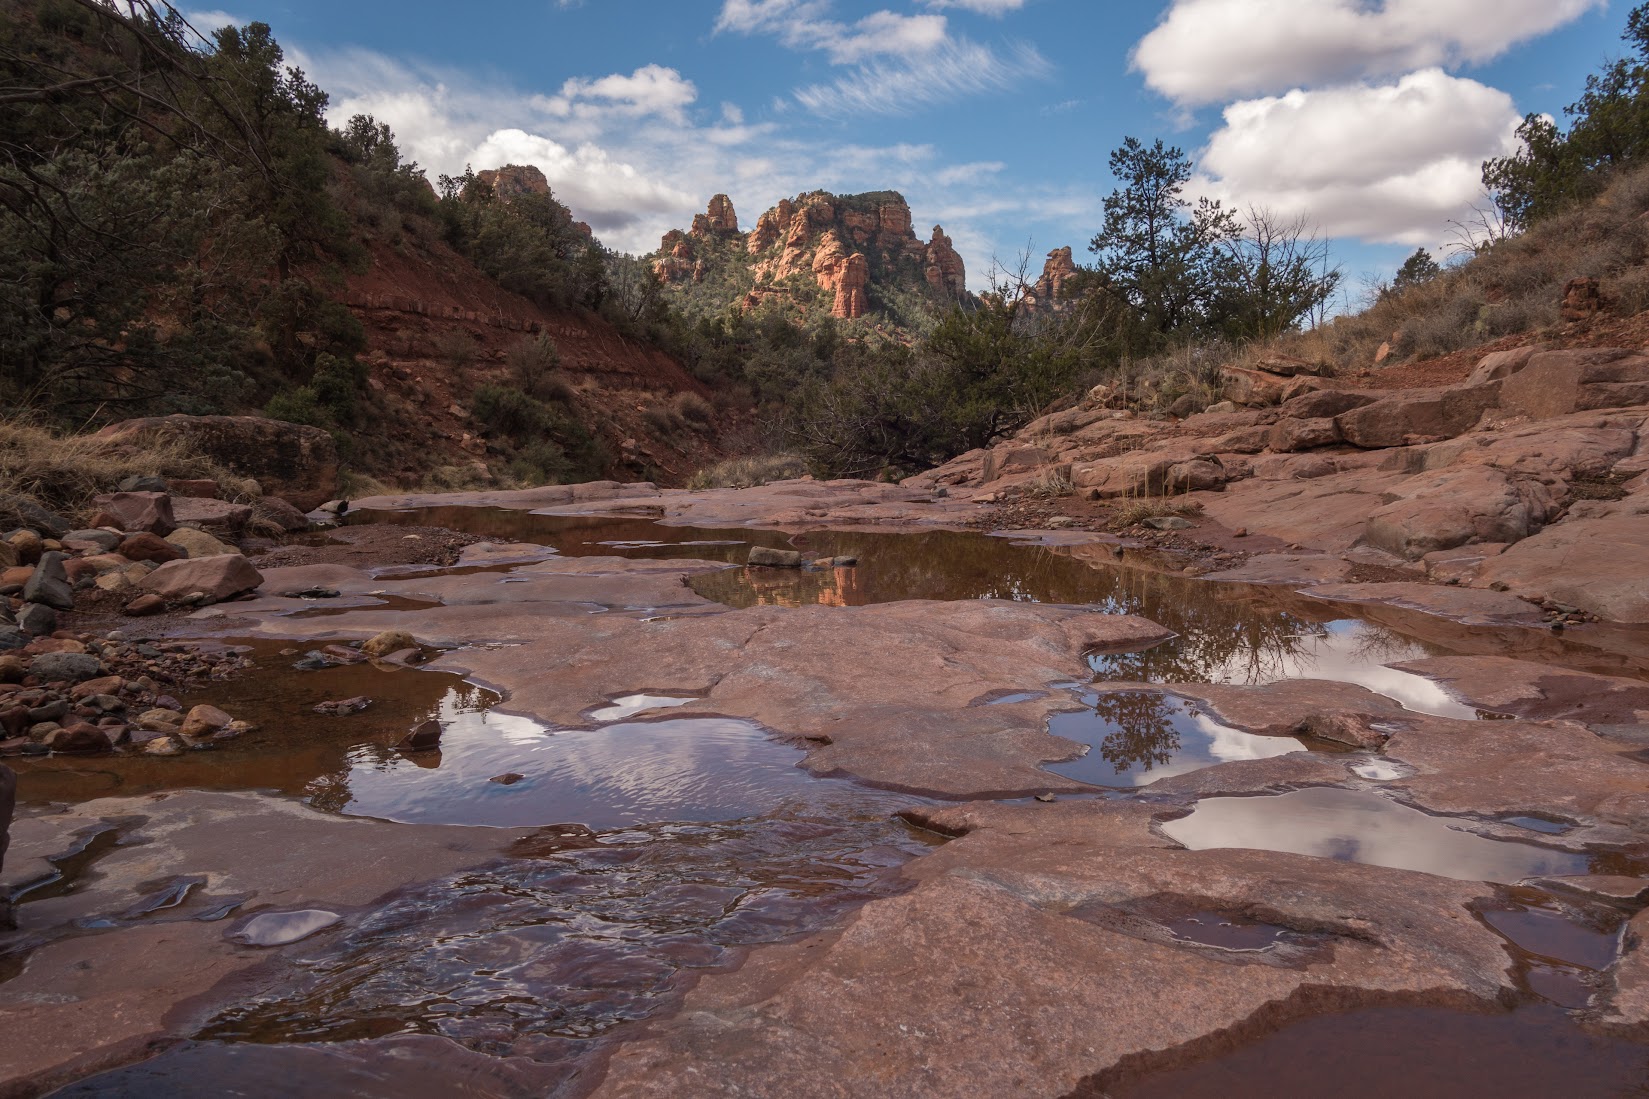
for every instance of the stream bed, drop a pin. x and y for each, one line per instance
(670, 838)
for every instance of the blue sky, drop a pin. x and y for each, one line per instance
(994, 117)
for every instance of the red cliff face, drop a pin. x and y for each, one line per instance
(514, 179)
(1050, 290)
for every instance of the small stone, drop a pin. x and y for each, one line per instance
(775, 558)
(163, 746)
(1168, 522)
(49, 583)
(139, 482)
(509, 779)
(145, 605)
(38, 619)
(65, 667)
(203, 721)
(1240, 532)
(390, 641)
(29, 546)
(343, 706)
(423, 737)
(1045, 797)
(144, 546)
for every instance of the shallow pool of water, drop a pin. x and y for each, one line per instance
(1358, 826)
(1138, 737)
(1413, 1052)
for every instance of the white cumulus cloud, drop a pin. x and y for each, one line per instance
(1392, 162)
(1207, 51)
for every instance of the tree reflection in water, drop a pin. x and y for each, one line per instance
(1145, 736)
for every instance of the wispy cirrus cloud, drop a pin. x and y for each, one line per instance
(954, 71)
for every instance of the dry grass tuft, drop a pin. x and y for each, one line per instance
(1050, 484)
(64, 472)
(1134, 511)
(749, 472)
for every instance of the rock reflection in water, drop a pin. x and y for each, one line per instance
(1138, 737)
(618, 775)
(1357, 826)
(546, 954)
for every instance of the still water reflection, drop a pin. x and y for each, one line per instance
(1357, 826)
(1138, 737)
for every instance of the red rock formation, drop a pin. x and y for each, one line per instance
(945, 270)
(1049, 290)
(852, 275)
(718, 220)
(514, 179)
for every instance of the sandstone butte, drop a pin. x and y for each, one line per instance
(841, 244)
(1014, 946)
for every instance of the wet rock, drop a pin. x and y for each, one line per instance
(776, 558)
(49, 583)
(389, 641)
(197, 543)
(509, 779)
(144, 546)
(145, 605)
(312, 593)
(163, 746)
(203, 721)
(343, 706)
(159, 720)
(215, 578)
(65, 667)
(37, 619)
(78, 739)
(423, 737)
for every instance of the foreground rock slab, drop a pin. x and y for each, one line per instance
(1034, 952)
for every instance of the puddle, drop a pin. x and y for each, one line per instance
(1226, 932)
(1413, 1052)
(1558, 953)
(284, 928)
(1357, 826)
(1137, 737)
(684, 769)
(555, 952)
(630, 705)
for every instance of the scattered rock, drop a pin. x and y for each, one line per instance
(139, 482)
(144, 546)
(37, 618)
(163, 746)
(213, 578)
(390, 641)
(65, 667)
(1167, 522)
(49, 583)
(776, 558)
(203, 721)
(78, 739)
(197, 543)
(509, 779)
(144, 606)
(344, 706)
(136, 511)
(423, 737)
